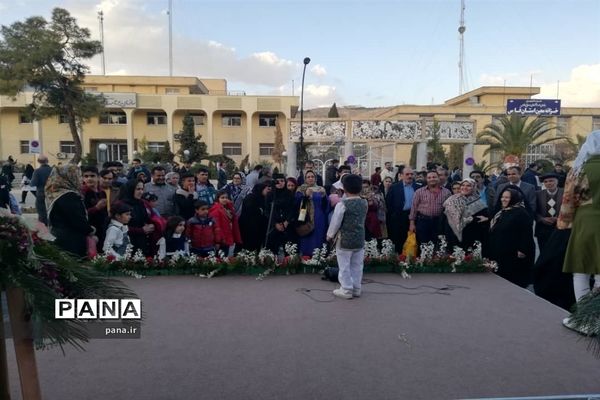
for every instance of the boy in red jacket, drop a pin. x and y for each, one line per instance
(202, 231)
(223, 212)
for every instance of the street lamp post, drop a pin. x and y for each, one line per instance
(302, 152)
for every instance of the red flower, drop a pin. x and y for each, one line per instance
(402, 257)
(305, 258)
(110, 258)
(468, 257)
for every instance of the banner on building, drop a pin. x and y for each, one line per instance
(535, 107)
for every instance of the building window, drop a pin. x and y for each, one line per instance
(198, 118)
(232, 119)
(170, 90)
(156, 118)
(539, 152)
(563, 126)
(24, 146)
(266, 149)
(267, 120)
(232, 149)
(63, 119)
(25, 119)
(156, 147)
(595, 123)
(67, 147)
(113, 118)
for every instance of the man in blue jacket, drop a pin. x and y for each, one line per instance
(398, 203)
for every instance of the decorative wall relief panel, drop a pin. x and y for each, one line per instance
(449, 130)
(319, 130)
(386, 130)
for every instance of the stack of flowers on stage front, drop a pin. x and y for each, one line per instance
(378, 258)
(33, 265)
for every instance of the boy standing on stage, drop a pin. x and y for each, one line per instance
(348, 228)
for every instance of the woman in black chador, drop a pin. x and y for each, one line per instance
(511, 242)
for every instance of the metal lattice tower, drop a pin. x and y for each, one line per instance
(101, 20)
(461, 58)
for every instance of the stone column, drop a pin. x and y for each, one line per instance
(249, 143)
(130, 141)
(348, 149)
(467, 153)
(292, 159)
(208, 138)
(421, 155)
(170, 137)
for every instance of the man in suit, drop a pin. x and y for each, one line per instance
(399, 203)
(549, 201)
(514, 179)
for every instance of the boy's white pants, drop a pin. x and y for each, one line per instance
(350, 263)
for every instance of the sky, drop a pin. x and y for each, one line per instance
(367, 53)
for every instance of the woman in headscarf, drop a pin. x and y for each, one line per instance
(4, 193)
(237, 191)
(511, 242)
(311, 200)
(26, 183)
(580, 210)
(140, 227)
(375, 211)
(255, 218)
(281, 209)
(67, 215)
(466, 217)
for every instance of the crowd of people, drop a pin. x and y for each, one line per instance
(160, 212)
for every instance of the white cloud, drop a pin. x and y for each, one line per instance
(582, 89)
(319, 70)
(320, 96)
(136, 42)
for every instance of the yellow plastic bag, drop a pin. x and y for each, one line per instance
(410, 246)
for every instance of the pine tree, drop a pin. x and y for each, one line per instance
(278, 147)
(45, 56)
(455, 156)
(333, 112)
(413, 154)
(165, 155)
(189, 141)
(147, 155)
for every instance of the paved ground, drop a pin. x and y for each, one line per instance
(238, 338)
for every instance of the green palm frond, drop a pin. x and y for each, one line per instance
(586, 318)
(514, 134)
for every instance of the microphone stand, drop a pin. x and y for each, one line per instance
(269, 228)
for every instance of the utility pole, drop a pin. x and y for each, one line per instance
(101, 19)
(461, 55)
(170, 12)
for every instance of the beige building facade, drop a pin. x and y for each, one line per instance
(138, 107)
(374, 136)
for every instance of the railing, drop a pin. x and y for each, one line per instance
(226, 93)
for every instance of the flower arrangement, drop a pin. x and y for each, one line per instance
(44, 273)
(433, 259)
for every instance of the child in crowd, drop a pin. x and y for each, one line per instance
(202, 231)
(223, 212)
(150, 200)
(348, 228)
(117, 239)
(174, 240)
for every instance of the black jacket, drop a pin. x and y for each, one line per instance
(70, 224)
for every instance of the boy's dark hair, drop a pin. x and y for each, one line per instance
(137, 159)
(119, 208)
(200, 203)
(343, 168)
(203, 170)
(187, 175)
(221, 193)
(258, 167)
(89, 168)
(377, 169)
(352, 183)
(105, 172)
(157, 168)
(149, 196)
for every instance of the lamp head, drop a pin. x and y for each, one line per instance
(306, 61)
(186, 152)
(102, 146)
